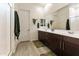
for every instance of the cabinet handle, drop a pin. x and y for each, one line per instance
(60, 44)
(63, 45)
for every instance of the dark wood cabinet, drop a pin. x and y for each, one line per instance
(52, 41)
(70, 46)
(42, 36)
(60, 44)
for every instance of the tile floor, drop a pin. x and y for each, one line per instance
(26, 49)
(35, 48)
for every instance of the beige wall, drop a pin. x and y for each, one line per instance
(57, 6)
(61, 15)
(60, 18)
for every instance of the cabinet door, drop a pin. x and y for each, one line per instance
(42, 37)
(70, 46)
(59, 45)
(52, 41)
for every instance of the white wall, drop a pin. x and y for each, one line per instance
(4, 29)
(74, 16)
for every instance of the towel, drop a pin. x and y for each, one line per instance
(67, 25)
(16, 25)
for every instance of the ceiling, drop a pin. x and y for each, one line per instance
(29, 6)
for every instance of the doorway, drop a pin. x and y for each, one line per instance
(24, 18)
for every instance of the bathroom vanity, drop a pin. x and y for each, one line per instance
(61, 42)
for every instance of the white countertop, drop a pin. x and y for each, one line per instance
(62, 32)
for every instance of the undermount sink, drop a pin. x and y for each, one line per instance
(70, 32)
(52, 29)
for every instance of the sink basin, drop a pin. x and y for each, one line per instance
(70, 32)
(52, 29)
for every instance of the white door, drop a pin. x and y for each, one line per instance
(24, 25)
